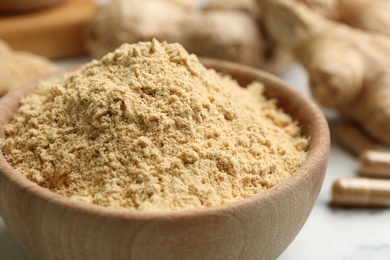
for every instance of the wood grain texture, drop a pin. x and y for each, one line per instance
(50, 226)
(54, 32)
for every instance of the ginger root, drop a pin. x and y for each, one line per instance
(17, 68)
(276, 57)
(348, 68)
(370, 15)
(249, 6)
(217, 33)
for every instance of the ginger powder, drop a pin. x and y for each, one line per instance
(148, 127)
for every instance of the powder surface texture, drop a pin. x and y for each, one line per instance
(148, 127)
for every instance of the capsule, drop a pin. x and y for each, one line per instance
(354, 139)
(357, 191)
(375, 163)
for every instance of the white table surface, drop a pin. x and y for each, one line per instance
(329, 233)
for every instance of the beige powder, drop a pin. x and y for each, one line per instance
(148, 127)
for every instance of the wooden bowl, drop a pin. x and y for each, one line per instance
(50, 226)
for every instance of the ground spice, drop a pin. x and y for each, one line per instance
(148, 127)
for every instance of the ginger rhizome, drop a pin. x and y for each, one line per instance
(348, 68)
(17, 67)
(221, 30)
(370, 15)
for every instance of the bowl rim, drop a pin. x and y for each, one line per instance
(319, 147)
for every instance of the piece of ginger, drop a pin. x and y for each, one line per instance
(276, 58)
(216, 32)
(349, 69)
(17, 67)
(249, 6)
(370, 15)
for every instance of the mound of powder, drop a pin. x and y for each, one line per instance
(148, 127)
